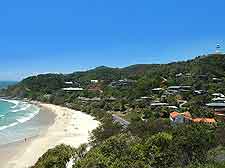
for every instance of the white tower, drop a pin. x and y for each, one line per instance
(218, 49)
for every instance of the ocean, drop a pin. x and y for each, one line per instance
(17, 121)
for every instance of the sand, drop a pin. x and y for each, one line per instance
(70, 127)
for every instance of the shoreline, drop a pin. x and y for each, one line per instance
(69, 127)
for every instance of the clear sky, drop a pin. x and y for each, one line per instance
(39, 36)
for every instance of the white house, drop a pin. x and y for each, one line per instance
(72, 89)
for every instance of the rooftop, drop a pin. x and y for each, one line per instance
(203, 120)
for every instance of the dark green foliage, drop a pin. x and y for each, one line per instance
(55, 158)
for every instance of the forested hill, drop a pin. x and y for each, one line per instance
(210, 66)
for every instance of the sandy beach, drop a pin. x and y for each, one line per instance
(70, 127)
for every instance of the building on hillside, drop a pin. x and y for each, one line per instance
(199, 92)
(85, 99)
(145, 98)
(72, 89)
(180, 118)
(156, 90)
(217, 79)
(94, 81)
(110, 99)
(179, 74)
(218, 99)
(158, 104)
(216, 105)
(204, 120)
(69, 83)
(122, 82)
(176, 89)
(218, 95)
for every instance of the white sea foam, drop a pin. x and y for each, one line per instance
(15, 102)
(2, 116)
(7, 126)
(22, 108)
(28, 117)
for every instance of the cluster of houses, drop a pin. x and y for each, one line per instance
(217, 103)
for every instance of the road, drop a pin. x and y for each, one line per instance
(120, 120)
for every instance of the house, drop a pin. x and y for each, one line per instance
(157, 104)
(157, 89)
(176, 117)
(122, 82)
(204, 120)
(72, 89)
(218, 95)
(172, 107)
(110, 99)
(94, 81)
(145, 98)
(175, 89)
(179, 118)
(217, 80)
(218, 99)
(89, 99)
(69, 83)
(216, 105)
(179, 75)
(199, 92)
(188, 74)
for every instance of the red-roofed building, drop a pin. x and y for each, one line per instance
(204, 120)
(176, 117)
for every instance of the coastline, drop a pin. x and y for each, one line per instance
(69, 127)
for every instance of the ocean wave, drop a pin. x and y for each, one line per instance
(22, 108)
(15, 102)
(7, 126)
(2, 116)
(28, 117)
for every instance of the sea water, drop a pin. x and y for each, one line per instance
(15, 121)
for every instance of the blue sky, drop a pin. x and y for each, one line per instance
(65, 36)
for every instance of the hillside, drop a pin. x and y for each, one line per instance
(212, 66)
